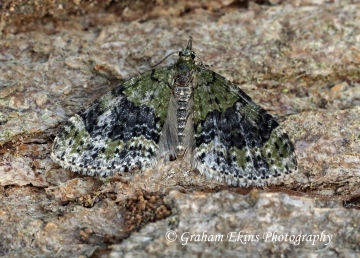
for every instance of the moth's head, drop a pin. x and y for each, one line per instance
(187, 53)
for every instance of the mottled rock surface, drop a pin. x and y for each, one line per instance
(297, 59)
(226, 224)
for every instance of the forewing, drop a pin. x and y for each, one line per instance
(120, 131)
(236, 140)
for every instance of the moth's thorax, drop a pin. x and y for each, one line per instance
(185, 63)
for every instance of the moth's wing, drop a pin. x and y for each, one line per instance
(236, 140)
(120, 131)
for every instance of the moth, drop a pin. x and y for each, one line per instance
(184, 111)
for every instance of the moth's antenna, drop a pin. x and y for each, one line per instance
(162, 60)
(189, 45)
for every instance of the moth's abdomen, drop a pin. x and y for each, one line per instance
(182, 96)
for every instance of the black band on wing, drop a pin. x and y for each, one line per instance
(126, 120)
(233, 128)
